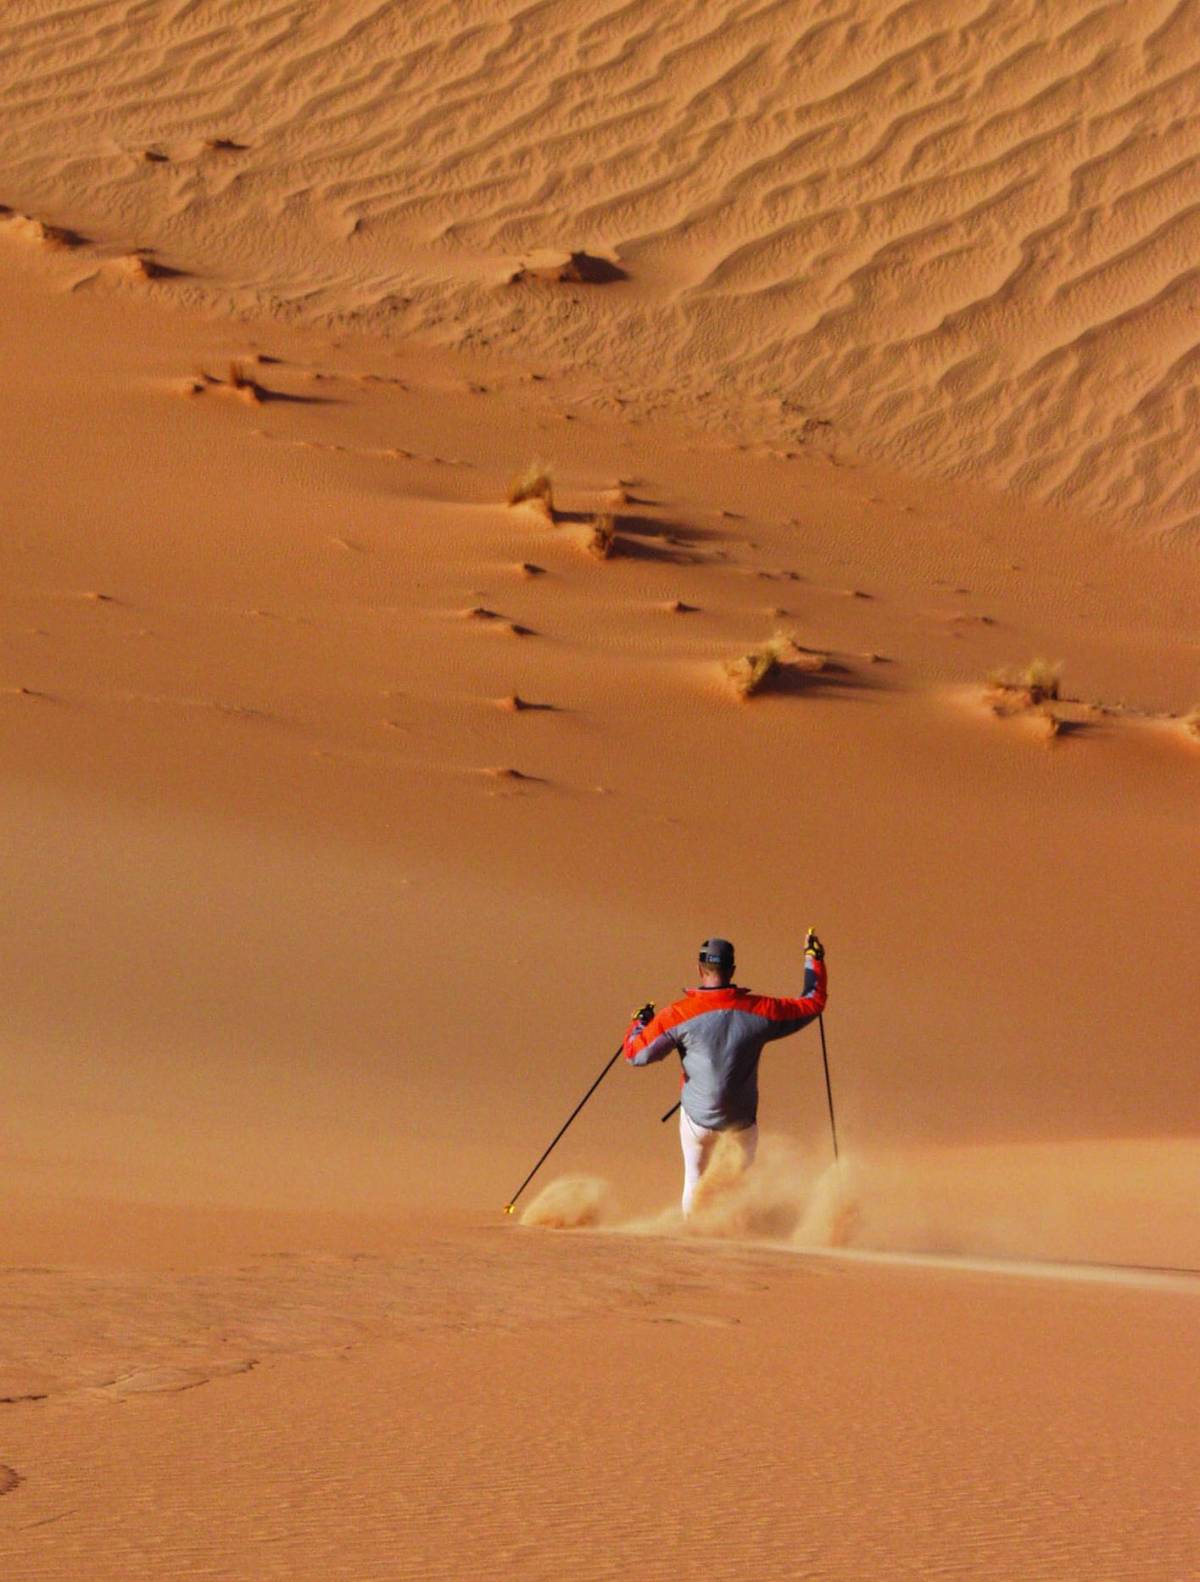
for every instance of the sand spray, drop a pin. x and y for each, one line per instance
(892, 1203)
(785, 1196)
(573, 1203)
(1120, 1201)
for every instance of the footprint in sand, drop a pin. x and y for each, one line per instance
(505, 772)
(9, 1479)
(498, 622)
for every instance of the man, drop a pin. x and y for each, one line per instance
(719, 1031)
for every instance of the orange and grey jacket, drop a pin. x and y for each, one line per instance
(720, 1034)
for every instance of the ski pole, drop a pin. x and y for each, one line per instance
(512, 1202)
(828, 1087)
(672, 1110)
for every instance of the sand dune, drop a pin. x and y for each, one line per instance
(268, 690)
(493, 495)
(960, 241)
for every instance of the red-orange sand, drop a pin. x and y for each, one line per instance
(882, 339)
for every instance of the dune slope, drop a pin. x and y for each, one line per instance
(419, 422)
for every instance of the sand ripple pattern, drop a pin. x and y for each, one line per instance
(963, 231)
(485, 1404)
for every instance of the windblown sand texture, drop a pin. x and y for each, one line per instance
(960, 238)
(351, 796)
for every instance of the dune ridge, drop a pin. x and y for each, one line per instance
(960, 242)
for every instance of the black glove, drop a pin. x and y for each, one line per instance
(646, 1014)
(813, 946)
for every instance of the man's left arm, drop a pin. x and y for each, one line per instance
(789, 1015)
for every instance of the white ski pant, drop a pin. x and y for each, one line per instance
(697, 1143)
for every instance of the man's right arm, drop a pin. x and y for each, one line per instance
(646, 1042)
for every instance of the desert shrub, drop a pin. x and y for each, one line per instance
(602, 536)
(1036, 683)
(752, 672)
(534, 483)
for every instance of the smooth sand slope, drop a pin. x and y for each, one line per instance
(348, 809)
(482, 1404)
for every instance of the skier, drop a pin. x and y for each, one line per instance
(719, 1031)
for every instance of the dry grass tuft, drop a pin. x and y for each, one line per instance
(1029, 688)
(753, 672)
(533, 486)
(602, 536)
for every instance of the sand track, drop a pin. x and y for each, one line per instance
(962, 235)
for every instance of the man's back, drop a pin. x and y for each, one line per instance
(719, 1034)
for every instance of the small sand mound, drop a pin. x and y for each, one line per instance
(507, 772)
(137, 266)
(572, 1203)
(568, 269)
(43, 234)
